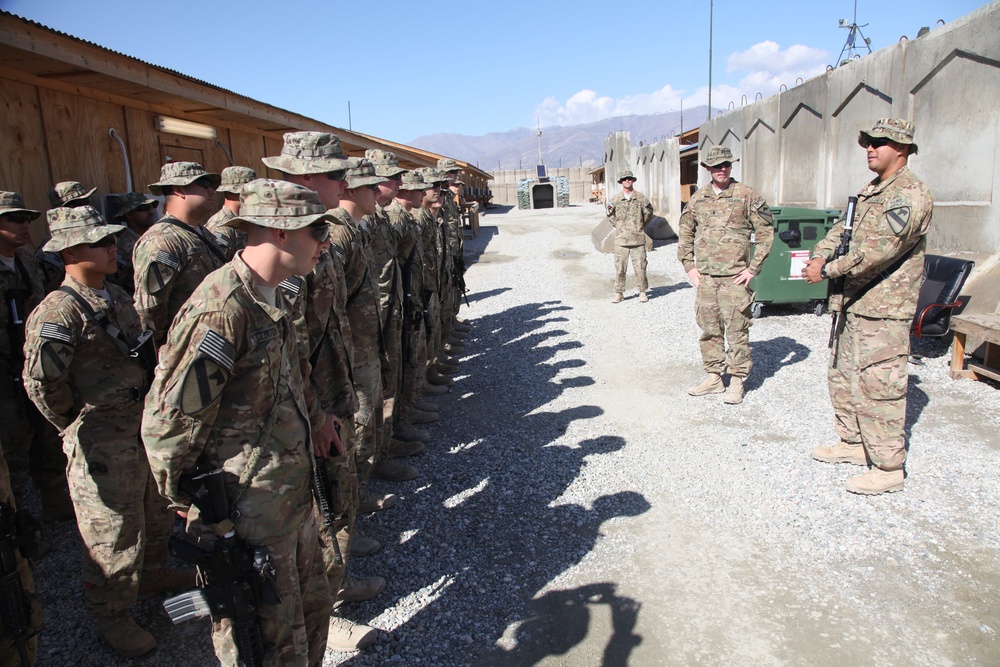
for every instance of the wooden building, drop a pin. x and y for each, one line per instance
(73, 110)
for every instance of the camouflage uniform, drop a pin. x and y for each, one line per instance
(629, 216)
(125, 275)
(451, 214)
(9, 655)
(31, 444)
(172, 258)
(230, 240)
(66, 193)
(715, 237)
(255, 398)
(868, 382)
(82, 377)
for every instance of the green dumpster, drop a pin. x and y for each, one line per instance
(796, 231)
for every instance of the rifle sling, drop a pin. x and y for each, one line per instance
(882, 275)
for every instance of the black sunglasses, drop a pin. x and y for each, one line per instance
(204, 182)
(339, 175)
(106, 242)
(144, 208)
(320, 231)
(18, 217)
(877, 143)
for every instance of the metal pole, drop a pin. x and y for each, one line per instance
(349, 127)
(710, 11)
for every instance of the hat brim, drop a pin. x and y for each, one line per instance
(715, 163)
(627, 178)
(864, 138)
(389, 170)
(287, 164)
(34, 214)
(277, 221)
(75, 237)
(361, 181)
(414, 186)
(231, 189)
(157, 188)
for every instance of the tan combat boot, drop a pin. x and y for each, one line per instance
(842, 452)
(643, 298)
(421, 417)
(399, 448)
(459, 325)
(394, 471)
(619, 297)
(734, 395)
(434, 389)
(363, 546)
(345, 635)
(876, 481)
(435, 378)
(124, 635)
(359, 589)
(408, 433)
(371, 502)
(710, 385)
(424, 405)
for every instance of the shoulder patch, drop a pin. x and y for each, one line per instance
(898, 219)
(55, 358)
(203, 384)
(337, 249)
(218, 349)
(164, 257)
(292, 285)
(53, 331)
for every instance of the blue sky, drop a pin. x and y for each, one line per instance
(411, 69)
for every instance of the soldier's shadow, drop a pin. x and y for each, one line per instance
(770, 356)
(916, 401)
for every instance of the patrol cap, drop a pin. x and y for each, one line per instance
(413, 180)
(626, 174)
(310, 153)
(893, 129)
(386, 163)
(72, 226)
(63, 193)
(182, 173)
(717, 155)
(266, 202)
(11, 202)
(234, 178)
(363, 174)
(130, 201)
(446, 164)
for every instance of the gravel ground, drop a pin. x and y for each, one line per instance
(577, 507)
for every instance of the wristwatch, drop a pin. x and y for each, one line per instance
(822, 272)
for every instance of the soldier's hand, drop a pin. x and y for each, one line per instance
(743, 277)
(324, 436)
(811, 271)
(694, 277)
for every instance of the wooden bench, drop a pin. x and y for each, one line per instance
(986, 327)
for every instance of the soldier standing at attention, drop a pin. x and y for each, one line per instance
(883, 270)
(233, 180)
(80, 373)
(176, 254)
(629, 211)
(137, 213)
(720, 225)
(31, 445)
(231, 393)
(66, 193)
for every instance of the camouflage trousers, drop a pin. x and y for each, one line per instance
(868, 387)
(124, 522)
(638, 254)
(392, 377)
(368, 418)
(9, 656)
(723, 313)
(449, 309)
(432, 320)
(343, 470)
(299, 624)
(31, 444)
(413, 365)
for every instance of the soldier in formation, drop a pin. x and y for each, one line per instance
(629, 212)
(229, 239)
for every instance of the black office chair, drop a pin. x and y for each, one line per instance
(943, 280)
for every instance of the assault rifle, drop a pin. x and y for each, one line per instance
(17, 532)
(837, 284)
(235, 577)
(325, 490)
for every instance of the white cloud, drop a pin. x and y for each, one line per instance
(766, 68)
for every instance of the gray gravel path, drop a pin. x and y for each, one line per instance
(576, 507)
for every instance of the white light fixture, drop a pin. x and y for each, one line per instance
(185, 128)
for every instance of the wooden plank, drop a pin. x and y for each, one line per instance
(143, 148)
(247, 150)
(980, 325)
(983, 369)
(25, 165)
(271, 147)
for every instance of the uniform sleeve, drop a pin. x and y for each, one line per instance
(762, 220)
(828, 246)
(157, 266)
(52, 337)
(647, 211)
(184, 401)
(685, 238)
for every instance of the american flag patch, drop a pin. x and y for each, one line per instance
(291, 284)
(54, 331)
(218, 349)
(166, 258)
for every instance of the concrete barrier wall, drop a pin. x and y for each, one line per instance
(504, 183)
(657, 171)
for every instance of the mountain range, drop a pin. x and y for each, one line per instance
(562, 146)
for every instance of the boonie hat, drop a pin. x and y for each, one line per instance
(717, 155)
(386, 163)
(893, 129)
(67, 191)
(11, 202)
(266, 202)
(447, 164)
(413, 180)
(626, 174)
(310, 153)
(363, 174)
(130, 201)
(70, 226)
(432, 176)
(234, 178)
(182, 173)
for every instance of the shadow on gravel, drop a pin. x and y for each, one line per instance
(916, 401)
(664, 290)
(770, 356)
(483, 530)
(479, 296)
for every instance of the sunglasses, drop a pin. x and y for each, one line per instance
(373, 187)
(145, 208)
(204, 183)
(106, 242)
(877, 143)
(339, 175)
(18, 218)
(320, 231)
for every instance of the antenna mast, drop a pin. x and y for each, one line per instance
(851, 50)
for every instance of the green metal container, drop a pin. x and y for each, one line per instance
(796, 231)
